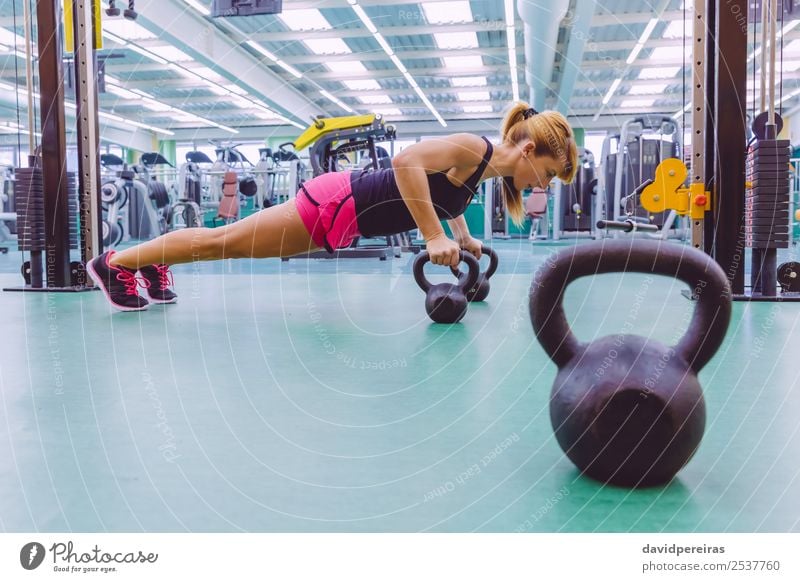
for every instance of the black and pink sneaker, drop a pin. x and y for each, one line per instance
(118, 284)
(160, 280)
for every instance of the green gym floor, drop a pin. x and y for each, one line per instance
(310, 396)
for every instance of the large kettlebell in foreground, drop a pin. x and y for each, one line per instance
(626, 409)
(445, 302)
(480, 290)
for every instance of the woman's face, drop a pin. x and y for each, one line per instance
(534, 171)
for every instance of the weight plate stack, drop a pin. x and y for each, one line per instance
(767, 195)
(29, 196)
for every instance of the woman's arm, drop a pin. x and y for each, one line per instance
(411, 167)
(459, 228)
(464, 239)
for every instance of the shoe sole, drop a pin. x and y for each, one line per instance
(99, 282)
(161, 301)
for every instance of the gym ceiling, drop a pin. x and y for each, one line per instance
(435, 66)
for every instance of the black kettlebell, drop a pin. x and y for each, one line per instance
(480, 290)
(626, 409)
(445, 302)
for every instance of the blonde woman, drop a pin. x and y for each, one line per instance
(428, 182)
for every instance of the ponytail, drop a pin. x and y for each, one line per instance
(552, 136)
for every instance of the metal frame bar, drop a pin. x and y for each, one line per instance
(53, 145)
(88, 131)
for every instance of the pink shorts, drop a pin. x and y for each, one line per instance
(328, 210)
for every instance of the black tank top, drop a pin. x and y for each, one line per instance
(381, 210)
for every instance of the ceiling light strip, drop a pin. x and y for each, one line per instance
(511, 39)
(367, 21)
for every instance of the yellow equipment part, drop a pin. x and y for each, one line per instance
(325, 125)
(69, 40)
(667, 192)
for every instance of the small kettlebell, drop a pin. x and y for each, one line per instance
(480, 290)
(445, 302)
(626, 409)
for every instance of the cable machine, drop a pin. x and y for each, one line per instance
(737, 195)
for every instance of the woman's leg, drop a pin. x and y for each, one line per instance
(277, 231)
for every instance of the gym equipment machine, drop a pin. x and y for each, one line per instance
(634, 162)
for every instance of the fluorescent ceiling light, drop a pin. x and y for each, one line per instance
(327, 46)
(470, 62)
(634, 103)
(790, 26)
(514, 84)
(362, 85)
(346, 67)
(478, 109)
(389, 111)
(792, 47)
(648, 30)
(649, 89)
(207, 74)
(341, 104)
(456, 40)
(443, 12)
(375, 99)
(509, 10)
(511, 42)
(199, 7)
(127, 29)
(114, 38)
(680, 113)
(400, 66)
(10, 39)
(289, 68)
(659, 72)
(675, 29)
(364, 17)
(306, 19)
(791, 66)
(611, 91)
(469, 81)
(147, 53)
(171, 54)
(260, 49)
(235, 89)
(791, 95)
(473, 95)
(670, 53)
(122, 92)
(264, 114)
(154, 105)
(384, 45)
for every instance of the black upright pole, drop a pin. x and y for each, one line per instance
(53, 145)
(730, 67)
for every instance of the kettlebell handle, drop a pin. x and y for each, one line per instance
(465, 257)
(712, 313)
(493, 262)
